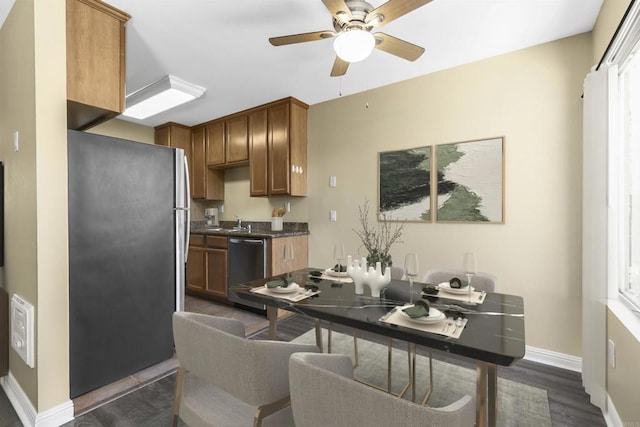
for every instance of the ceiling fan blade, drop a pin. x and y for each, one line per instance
(338, 7)
(393, 9)
(300, 38)
(397, 47)
(339, 67)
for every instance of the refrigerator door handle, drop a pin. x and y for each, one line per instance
(187, 228)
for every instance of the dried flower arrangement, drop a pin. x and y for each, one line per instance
(379, 239)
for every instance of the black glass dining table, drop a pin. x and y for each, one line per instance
(493, 335)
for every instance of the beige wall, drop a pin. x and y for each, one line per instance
(623, 380)
(126, 130)
(32, 63)
(611, 14)
(531, 97)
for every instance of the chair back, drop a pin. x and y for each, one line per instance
(397, 273)
(481, 281)
(323, 393)
(215, 349)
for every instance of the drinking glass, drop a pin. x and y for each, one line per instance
(411, 269)
(287, 257)
(339, 255)
(470, 266)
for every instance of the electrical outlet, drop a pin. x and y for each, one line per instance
(222, 208)
(611, 347)
(288, 205)
(333, 216)
(332, 181)
(16, 141)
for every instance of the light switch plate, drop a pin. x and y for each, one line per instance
(333, 216)
(332, 181)
(16, 141)
(22, 329)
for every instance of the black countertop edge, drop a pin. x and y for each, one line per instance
(258, 229)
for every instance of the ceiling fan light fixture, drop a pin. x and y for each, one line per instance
(354, 45)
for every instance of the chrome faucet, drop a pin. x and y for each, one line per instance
(239, 224)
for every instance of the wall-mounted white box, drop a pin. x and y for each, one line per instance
(22, 329)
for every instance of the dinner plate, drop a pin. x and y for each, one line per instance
(444, 286)
(280, 290)
(434, 316)
(333, 273)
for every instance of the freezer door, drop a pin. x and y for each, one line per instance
(122, 258)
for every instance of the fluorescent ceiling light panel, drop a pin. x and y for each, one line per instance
(163, 95)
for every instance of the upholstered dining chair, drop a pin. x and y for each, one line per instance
(481, 281)
(323, 393)
(225, 379)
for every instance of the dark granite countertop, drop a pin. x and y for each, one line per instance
(258, 229)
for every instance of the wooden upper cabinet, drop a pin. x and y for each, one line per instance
(278, 137)
(215, 144)
(174, 135)
(258, 158)
(227, 142)
(236, 139)
(198, 167)
(95, 62)
(286, 149)
(206, 183)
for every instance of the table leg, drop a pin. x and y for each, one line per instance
(492, 395)
(319, 334)
(272, 316)
(486, 394)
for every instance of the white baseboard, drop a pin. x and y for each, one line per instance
(611, 416)
(54, 417)
(553, 358)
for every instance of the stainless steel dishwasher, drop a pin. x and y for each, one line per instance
(246, 261)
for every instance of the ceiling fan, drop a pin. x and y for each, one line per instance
(354, 21)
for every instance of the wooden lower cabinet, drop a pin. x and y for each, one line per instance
(207, 266)
(216, 266)
(196, 265)
(300, 250)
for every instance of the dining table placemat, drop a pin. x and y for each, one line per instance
(442, 328)
(476, 297)
(341, 279)
(299, 295)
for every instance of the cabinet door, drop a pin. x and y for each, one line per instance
(217, 272)
(95, 60)
(236, 140)
(162, 136)
(278, 136)
(215, 144)
(198, 167)
(196, 269)
(258, 160)
(300, 250)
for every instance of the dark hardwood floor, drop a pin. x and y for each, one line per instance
(150, 405)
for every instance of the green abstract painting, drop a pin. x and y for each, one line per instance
(404, 182)
(470, 181)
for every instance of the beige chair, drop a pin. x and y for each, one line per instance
(225, 379)
(323, 393)
(481, 281)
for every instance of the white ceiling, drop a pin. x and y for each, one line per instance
(222, 45)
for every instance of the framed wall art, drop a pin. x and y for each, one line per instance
(470, 181)
(404, 184)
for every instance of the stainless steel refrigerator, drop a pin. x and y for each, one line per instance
(128, 235)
